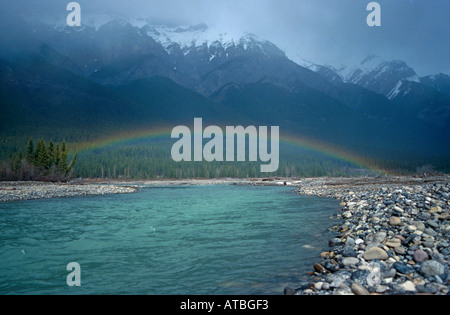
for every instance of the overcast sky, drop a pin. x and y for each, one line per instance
(323, 31)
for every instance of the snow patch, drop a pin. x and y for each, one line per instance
(395, 91)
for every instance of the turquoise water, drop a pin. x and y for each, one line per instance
(164, 240)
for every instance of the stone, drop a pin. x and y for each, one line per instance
(395, 221)
(350, 242)
(443, 216)
(381, 288)
(389, 273)
(419, 225)
(374, 277)
(436, 209)
(376, 238)
(358, 289)
(347, 215)
(402, 268)
(395, 242)
(374, 253)
(348, 252)
(348, 261)
(318, 285)
(319, 268)
(408, 286)
(400, 250)
(337, 278)
(398, 209)
(359, 241)
(426, 289)
(432, 268)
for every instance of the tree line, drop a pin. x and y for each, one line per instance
(40, 162)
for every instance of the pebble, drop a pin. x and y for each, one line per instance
(375, 253)
(358, 289)
(432, 268)
(408, 286)
(392, 236)
(348, 261)
(395, 221)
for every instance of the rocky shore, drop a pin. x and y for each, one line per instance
(14, 191)
(392, 237)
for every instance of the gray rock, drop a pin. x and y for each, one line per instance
(348, 261)
(432, 223)
(348, 252)
(376, 238)
(432, 268)
(337, 278)
(358, 289)
(403, 268)
(419, 225)
(395, 221)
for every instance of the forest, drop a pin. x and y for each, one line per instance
(40, 162)
(150, 158)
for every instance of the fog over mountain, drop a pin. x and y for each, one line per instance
(325, 32)
(315, 68)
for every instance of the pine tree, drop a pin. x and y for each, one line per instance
(63, 157)
(51, 154)
(30, 152)
(57, 156)
(41, 155)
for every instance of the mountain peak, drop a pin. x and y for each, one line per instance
(195, 35)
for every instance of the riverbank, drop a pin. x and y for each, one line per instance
(392, 237)
(15, 191)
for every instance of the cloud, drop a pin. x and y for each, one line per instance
(323, 31)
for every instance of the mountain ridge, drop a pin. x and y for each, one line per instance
(116, 76)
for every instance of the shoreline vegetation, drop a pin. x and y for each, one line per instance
(391, 236)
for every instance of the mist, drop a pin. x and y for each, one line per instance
(322, 31)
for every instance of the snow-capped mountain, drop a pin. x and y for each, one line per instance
(199, 36)
(389, 78)
(378, 75)
(117, 73)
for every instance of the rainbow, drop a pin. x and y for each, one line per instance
(128, 137)
(122, 138)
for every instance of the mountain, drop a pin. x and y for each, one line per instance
(378, 75)
(440, 82)
(424, 98)
(86, 82)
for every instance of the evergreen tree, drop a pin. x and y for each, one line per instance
(51, 154)
(63, 159)
(57, 155)
(41, 155)
(30, 152)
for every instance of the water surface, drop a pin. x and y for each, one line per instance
(221, 239)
